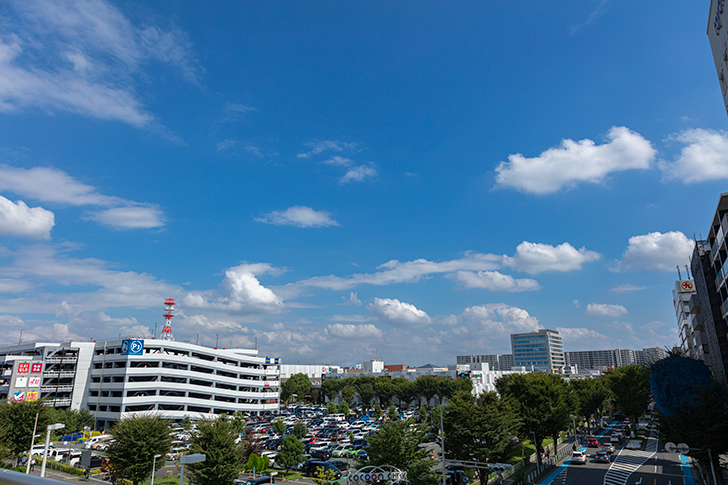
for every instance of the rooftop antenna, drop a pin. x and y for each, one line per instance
(168, 314)
(687, 271)
(679, 276)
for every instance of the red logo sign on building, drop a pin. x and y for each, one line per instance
(36, 367)
(687, 285)
(23, 367)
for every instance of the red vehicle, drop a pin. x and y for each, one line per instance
(592, 443)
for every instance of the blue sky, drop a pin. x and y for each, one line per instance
(408, 180)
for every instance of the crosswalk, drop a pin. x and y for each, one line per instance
(626, 463)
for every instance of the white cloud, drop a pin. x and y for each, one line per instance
(656, 251)
(534, 258)
(53, 185)
(494, 281)
(354, 331)
(354, 300)
(82, 57)
(583, 338)
(575, 162)
(21, 220)
(340, 161)
(499, 320)
(604, 309)
(299, 216)
(318, 147)
(139, 217)
(704, 158)
(8, 285)
(359, 174)
(627, 288)
(397, 313)
(240, 292)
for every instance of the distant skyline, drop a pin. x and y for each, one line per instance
(349, 180)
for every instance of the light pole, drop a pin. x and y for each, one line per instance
(442, 442)
(49, 428)
(32, 441)
(186, 460)
(154, 465)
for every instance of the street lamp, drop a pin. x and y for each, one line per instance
(49, 428)
(186, 460)
(442, 443)
(154, 464)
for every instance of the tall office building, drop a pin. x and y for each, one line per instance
(496, 362)
(683, 292)
(718, 37)
(541, 350)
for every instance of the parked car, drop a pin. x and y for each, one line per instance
(258, 481)
(592, 443)
(602, 456)
(578, 457)
(340, 464)
(72, 436)
(320, 454)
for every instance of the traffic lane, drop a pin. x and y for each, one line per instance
(589, 472)
(661, 469)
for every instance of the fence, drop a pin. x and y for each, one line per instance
(9, 477)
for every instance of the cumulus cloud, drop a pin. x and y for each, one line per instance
(656, 251)
(604, 309)
(534, 258)
(359, 174)
(354, 331)
(627, 288)
(704, 158)
(53, 185)
(299, 216)
(499, 319)
(21, 220)
(240, 292)
(354, 300)
(575, 162)
(397, 313)
(82, 57)
(317, 147)
(583, 338)
(494, 281)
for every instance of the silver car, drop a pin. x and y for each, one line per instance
(578, 457)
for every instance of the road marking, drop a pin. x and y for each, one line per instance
(624, 465)
(687, 471)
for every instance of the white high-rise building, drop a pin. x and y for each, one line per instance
(541, 350)
(718, 37)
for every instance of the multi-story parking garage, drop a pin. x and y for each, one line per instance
(178, 379)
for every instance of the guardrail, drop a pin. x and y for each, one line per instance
(9, 477)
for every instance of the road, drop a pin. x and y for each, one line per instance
(628, 467)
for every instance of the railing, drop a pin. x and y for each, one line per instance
(9, 477)
(53, 388)
(58, 360)
(55, 373)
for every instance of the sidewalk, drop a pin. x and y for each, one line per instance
(531, 467)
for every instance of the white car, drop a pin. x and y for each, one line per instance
(578, 457)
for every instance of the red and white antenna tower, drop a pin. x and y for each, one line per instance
(168, 314)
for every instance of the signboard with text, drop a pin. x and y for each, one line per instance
(132, 347)
(23, 367)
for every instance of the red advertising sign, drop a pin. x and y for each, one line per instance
(36, 367)
(23, 367)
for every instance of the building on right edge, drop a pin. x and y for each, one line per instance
(718, 38)
(541, 350)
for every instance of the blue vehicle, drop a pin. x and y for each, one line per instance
(72, 436)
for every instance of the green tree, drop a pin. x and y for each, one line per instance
(330, 388)
(279, 427)
(397, 443)
(324, 476)
(74, 420)
(404, 390)
(250, 444)
(224, 458)
(16, 422)
(366, 393)
(543, 403)
(344, 409)
(423, 414)
(487, 435)
(331, 408)
(298, 385)
(138, 439)
(347, 394)
(377, 412)
(291, 452)
(630, 387)
(384, 389)
(299, 430)
(591, 395)
(258, 463)
(392, 413)
(427, 387)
